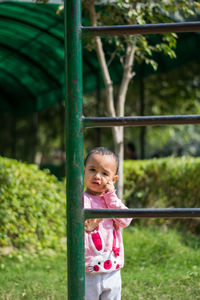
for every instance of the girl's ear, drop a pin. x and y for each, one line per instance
(115, 178)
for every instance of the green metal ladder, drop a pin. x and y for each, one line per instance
(75, 123)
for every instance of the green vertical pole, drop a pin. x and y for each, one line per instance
(74, 151)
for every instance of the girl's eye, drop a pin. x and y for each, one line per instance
(92, 169)
(105, 174)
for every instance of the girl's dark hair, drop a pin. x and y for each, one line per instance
(103, 151)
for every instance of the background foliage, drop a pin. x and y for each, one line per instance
(164, 183)
(174, 91)
(166, 91)
(32, 206)
(32, 202)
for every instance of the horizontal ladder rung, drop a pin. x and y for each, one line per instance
(140, 121)
(143, 213)
(142, 29)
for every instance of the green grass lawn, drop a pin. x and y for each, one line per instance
(161, 265)
(158, 265)
(33, 278)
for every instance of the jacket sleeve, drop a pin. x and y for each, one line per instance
(87, 203)
(112, 201)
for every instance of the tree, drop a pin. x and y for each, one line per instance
(131, 49)
(180, 90)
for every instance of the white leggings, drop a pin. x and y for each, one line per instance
(103, 286)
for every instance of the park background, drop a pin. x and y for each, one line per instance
(33, 131)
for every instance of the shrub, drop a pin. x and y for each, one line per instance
(32, 202)
(164, 183)
(32, 206)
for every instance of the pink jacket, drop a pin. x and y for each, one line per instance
(104, 251)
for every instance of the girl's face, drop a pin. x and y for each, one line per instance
(100, 170)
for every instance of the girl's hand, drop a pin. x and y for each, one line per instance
(91, 224)
(109, 187)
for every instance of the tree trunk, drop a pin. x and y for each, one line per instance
(34, 136)
(14, 136)
(119, 144)
(142, 112)
(118, 132)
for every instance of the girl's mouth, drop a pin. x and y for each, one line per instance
(96, 182)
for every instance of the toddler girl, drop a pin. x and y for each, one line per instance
(104, 253)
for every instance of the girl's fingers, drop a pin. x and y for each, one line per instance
(92, 224)
(109, 187)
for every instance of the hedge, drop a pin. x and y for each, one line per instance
(164, 183)
(32, 202)
(32, 206)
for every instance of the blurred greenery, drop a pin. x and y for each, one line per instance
(32, 139)
(159, 264)
(32, 206)
(33, 209)
(173, 89)
(173, 92)
(164, 183)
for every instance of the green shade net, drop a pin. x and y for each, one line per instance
(32, 58)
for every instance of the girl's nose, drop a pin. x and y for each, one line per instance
(97, 175)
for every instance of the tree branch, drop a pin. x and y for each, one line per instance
(127, 76)
(104, 67)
